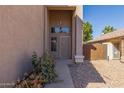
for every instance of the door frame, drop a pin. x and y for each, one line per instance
(47, 32)
(71, 34)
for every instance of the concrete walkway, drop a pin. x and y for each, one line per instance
(64, 79)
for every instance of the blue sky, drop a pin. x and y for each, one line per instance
(101, 15)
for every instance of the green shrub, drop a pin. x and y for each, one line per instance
(34, 59)
(43, 72)
(47, 69)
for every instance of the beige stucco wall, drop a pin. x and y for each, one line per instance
(79, 41)
(21, 33)
(79, 11)
(122, 49)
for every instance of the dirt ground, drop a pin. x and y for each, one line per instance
(98, 74)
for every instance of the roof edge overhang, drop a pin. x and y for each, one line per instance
(104, 40)
(61, 7)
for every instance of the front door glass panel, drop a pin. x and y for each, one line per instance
(60, 29)
(60, 43)
(53, 44)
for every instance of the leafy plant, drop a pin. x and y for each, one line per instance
(48, 72)
(34, 59)
(108, 29)
(43, 72)
(45, 67)
(87, 31)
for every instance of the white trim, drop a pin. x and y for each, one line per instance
(79, 58)
(109, 50)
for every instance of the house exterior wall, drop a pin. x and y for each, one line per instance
(108, 50)
(24, 29)
(21, 33)
(122, 49)
(79, 42)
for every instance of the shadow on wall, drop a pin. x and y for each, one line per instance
(83, 74)
(16, 69)
(24, 65)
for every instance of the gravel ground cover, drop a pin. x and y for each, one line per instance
(98, 74)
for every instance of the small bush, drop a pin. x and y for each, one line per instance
(43, 72)
(34, 59)
(47, 69)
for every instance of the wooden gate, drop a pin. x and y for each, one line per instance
(95, 51)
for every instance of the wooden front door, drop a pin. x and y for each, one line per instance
(65, 47)
(61, 45)
(60, 24)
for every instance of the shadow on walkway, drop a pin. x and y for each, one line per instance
(64, 79)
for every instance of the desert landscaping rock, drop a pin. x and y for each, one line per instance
(98, 74)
